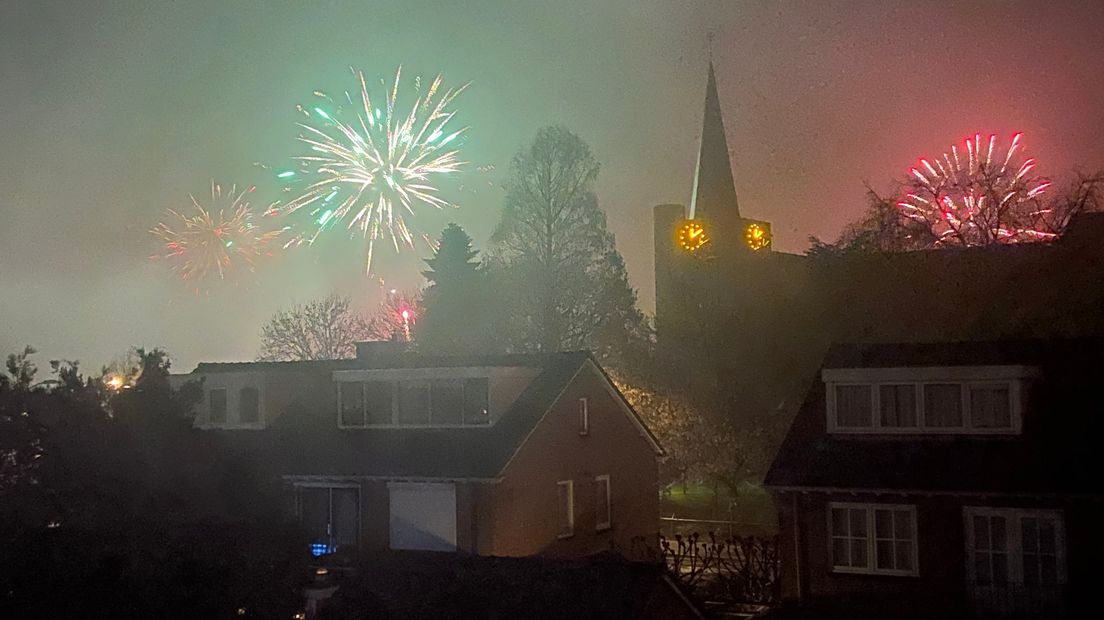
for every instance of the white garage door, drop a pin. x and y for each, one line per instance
(423, 516)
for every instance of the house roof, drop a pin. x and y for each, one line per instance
(1062, 429)
(308, 442)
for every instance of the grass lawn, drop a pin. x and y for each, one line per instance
(751, 507)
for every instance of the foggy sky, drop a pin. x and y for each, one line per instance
(112, 112)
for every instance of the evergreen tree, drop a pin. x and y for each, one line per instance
(563, 281)
(455, 317)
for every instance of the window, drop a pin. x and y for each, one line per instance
(584, 416)
(980, 400)
(378, 402)
(438, 402)
(447, 401)
(216, 406)
(422, 516)
(990, 550)
(602, 519)
(330, 516)
(897, 405)
(943, 405)
(351, 403)
(249, 405)
(853, 406)
(413, 403)
(475, 401)
(1014, 547)
(566, 491)
(873, 538)
(990, 406)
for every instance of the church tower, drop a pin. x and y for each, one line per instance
(714, 227)
(713, 196)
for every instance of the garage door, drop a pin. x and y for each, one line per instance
(423, 516)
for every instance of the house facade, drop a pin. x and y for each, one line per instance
(493, 455)
(945, 480)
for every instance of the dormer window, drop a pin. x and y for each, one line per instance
(964, 400)
(216, 406)
(413, 403)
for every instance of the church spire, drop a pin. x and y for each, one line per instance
(714, 193)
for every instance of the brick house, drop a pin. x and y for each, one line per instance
(493, 455)
(946, 478)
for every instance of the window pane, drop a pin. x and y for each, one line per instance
(1048, 570)
(981, 533)
(998, 539)
(345, 515)
(839, 552)
(853, 406)
(858, 522)
(413, 403)
(884, 554)
(1046, 536)
(1000, 569)
(983, 572)
(352, 403)
(898, 405)
(1029, 529)
(904, 555)
(249, 405)
(943, 405)
(858, 553)
(475, 401)
(990, 407)
(217, 405)
(883, 523)
(314, 513)
(378, 402)
(448, 403)
(602, 501)
(904, 524)
(566, 517)
(839, 522)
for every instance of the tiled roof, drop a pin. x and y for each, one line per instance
(309, 442)
(1062, 428)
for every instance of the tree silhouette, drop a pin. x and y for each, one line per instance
(562, 281)
(458, 315)
(325, 329)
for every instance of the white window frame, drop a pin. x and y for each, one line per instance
(584, 416)
(396, 386)
(226, 420)
(967, 378)
(1013, 518)
(570, 484)
(871, 548)
(603, 482)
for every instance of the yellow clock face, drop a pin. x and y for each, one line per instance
(757, 237)
(691, 236)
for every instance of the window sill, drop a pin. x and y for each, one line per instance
(873, 572)
(605, 527)
(565, 536)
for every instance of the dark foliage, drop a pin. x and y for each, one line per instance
(112, 505)
(458, 307)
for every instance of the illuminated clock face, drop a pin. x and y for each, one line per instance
(757, 237)
(691, 236)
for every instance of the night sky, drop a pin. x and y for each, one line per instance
(112, 112)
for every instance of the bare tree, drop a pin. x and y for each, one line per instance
(395, 317)
(320, 330)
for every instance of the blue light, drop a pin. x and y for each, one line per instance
(320, 549)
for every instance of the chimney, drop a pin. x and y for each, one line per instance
(375, 351)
